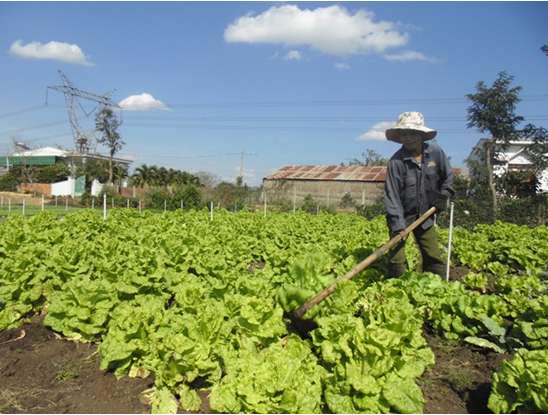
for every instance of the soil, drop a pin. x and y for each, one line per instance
(460, 380)
(457, 273)
(41, 373)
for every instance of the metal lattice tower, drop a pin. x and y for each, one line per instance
(72, 94)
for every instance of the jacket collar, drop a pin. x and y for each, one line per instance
(426, 149)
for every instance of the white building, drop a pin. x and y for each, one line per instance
(512, 158)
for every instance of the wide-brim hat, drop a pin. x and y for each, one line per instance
(410, 121)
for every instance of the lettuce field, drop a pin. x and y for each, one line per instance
(200, 306)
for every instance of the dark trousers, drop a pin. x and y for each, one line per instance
(432, 259)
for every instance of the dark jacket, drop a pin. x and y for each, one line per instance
(411, 187)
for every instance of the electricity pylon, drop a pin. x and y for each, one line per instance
(72, 94)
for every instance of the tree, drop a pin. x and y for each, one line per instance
(545, 49)
(107, 124)
(369, 158)
(493, 110)
(537, 151)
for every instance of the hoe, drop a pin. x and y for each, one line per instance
(297, 315)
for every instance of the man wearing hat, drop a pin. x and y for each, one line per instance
(418, 177)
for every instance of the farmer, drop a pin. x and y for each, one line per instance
(418, 177)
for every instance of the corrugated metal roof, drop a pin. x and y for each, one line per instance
(333, 172)
(44, 151)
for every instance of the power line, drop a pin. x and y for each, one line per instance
(34, 127)
(307, 118)
(357, 102)
(197, 157)
(22, 111)
(255, 127)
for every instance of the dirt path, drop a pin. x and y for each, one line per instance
(42, 374)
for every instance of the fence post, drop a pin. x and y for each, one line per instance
(104, 206)
(1, 201)
(55, 200)
(93, 202)
(165, 205)
(449, 242)
(294, 197)
(66, 203)
(182, 204)
(9, 205)
(112, 202)
(42, 203)
(318, 209)
(127, 203)
(140, 210)
(363, 197)
(210, 210)
(23, 208)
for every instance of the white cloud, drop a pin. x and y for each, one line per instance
(341, 66)
(377, 131)
(293, 55)
(58, 51)
(409, 55)
(142, 102)
(331, 30)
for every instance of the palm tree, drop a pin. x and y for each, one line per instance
(142, 175)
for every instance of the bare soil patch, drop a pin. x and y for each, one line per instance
(40, 373)
(460, 380)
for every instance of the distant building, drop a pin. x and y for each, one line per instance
(326, 184)
(47, 156)
(513, 158)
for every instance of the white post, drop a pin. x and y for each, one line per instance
(210, 210)
(363, 197)
(9, 205)
(127, 203)
(42, 203)
(55, 200)
(23, 209)
(1, 201)
(318, 209)
(104, 206)
(182, 204)
(264, 204)
(112, 202)
(140, 210)
(66, 203)
(165, 205)
(93, 203)
(294, 197)
(450, 240)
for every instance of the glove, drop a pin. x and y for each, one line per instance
(441, 201)
(400, 232)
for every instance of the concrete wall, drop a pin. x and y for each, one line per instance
(327, 193)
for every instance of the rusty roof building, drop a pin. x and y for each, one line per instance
(327, 185)
(331, 173)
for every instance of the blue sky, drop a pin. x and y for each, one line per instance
(290, 83)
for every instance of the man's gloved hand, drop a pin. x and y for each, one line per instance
(401, 233)
(441, 201)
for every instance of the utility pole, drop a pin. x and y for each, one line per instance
(242, 167)
(242, 154)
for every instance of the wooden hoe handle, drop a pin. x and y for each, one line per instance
(322, 295)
